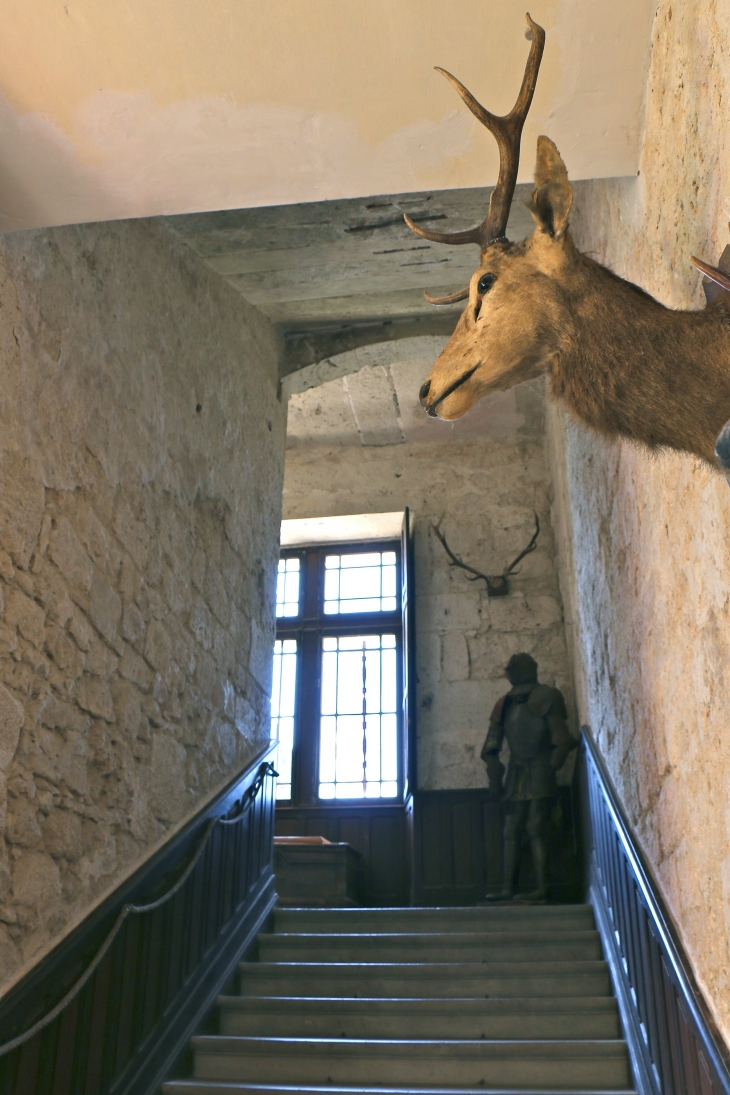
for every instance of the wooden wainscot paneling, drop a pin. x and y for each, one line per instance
(377, 833)
(207, 894)
(457, 848)
(675, 1046)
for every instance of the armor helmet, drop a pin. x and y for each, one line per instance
(521, 669)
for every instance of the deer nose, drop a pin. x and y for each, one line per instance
(423, 394)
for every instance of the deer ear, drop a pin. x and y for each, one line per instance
(553, 194)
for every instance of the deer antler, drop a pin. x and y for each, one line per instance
(497, 584)
(507, 130)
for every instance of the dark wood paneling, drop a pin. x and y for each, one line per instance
(316, 875)
(675, 1045)
(457, 848)
(127, 1025)
(377, 833)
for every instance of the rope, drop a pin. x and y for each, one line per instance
(137, 910)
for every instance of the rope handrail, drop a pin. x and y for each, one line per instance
(247, 802)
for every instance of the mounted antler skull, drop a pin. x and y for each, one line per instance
(497, 584)
(508, 132)
(619, 361)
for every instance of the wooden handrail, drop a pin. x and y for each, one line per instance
(137, 975)
(684, 1050)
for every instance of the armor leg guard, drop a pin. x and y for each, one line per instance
(538, 845)
(513, 825)
(511, 852)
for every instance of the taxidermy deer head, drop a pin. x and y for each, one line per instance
(620, 361)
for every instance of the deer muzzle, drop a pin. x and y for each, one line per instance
(431, 405)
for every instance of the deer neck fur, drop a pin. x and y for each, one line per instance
(627, 366)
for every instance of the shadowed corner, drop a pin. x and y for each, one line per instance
(722, 450)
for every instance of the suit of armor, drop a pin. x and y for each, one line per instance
(532, 719)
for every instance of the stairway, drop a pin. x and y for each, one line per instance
(506, 999)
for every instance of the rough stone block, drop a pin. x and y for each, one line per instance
(8, 640)
(36, 882)
(124, 500)
(157, 647)
(260, 659)
(128, 707)
(176, 590)
(523, 612)
(201, 624)
(81, 630)
(94, 696)
(62, 835)
(134, 669)
(22, 825)
(68, 554)
(168, 797)
(132, 533)
(455, 656)
(61, 649)
(12, 716)
(10, 955)
(22, 500)
(448, 612)
(100, 660)
(132, 624)
(7, 570)
(105, 608)
(27, 616)
(216, 596)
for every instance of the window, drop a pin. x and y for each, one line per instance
(283, 693)
(337, 694)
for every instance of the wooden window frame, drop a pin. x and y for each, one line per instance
(309, 628)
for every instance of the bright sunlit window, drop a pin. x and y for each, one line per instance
(287, 588)
(337, 692)
(364, 582)
(358, 737)
(283, 702)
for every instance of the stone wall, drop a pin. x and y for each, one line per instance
(141, 459)
(647, 564)
(485, 489)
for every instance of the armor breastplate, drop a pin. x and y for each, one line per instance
(527, 734)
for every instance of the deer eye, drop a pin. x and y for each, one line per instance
(486, 281)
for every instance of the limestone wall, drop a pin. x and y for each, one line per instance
(485, 490)
(141, 458)
(650, 601)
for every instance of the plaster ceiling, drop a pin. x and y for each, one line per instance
(144, 107)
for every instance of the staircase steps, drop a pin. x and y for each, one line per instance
(286, 1017)
(556, 946)
(499, 1001)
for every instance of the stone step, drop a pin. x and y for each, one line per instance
(566, 1018)
(515, 946)
(526, 1064)
(480, 918)
(425, 980)
(212, 1087)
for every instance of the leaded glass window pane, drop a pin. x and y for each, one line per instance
(360, 582)
(358, 746)
(283, 695)
(287, 588)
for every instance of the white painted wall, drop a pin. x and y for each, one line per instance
(172, 106)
